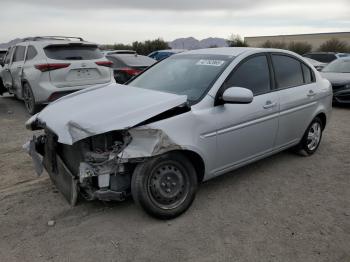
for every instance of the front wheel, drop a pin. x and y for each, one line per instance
(312, 137)
(164, 186)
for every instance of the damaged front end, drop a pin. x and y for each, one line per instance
(99, 167)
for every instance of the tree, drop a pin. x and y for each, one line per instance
(236, 41)
(274, 44)
(149, 46)
(334, 45)
(142, 48)
(299, 47)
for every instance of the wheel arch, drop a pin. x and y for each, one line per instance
(196, 160)
(322, 116)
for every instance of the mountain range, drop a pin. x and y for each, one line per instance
(180, 43)
(193, 43)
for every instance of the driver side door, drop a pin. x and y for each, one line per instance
(246, 132)
(6, 73)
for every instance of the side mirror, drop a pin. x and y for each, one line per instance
(2, 63)
(237, 95)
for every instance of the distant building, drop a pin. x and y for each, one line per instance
(314, 39)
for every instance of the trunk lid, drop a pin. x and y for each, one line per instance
(82, 68)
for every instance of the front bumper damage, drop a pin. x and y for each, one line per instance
(99, 167)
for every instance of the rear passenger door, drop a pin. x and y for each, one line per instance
(296, 87)
(17, 68)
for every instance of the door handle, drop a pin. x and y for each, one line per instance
(311, 93)
(19, 67)
(269, 104)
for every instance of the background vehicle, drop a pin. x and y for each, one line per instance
(126, 66)
(111, 52)
(162, 54)
(325, 57)
(2, 54)
(188, 118)
(41, 69)
(318, 65)
(338, 73)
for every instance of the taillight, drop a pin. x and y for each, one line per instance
(50, 67)
(130, 71)
(104, 63)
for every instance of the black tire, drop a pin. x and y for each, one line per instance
(29, 100)
(304, 147)
(2, 87)
(164, 186)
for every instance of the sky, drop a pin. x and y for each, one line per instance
(125, 21)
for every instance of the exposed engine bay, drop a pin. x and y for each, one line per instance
(98, 167)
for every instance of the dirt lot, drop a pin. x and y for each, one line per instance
(284, 208)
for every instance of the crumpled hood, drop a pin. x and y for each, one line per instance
(337, 78)
(98, 110)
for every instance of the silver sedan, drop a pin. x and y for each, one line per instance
(187, 119)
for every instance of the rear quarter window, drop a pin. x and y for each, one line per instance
(72, 52)
(31, 53)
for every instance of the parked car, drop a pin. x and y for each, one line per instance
(41, 69)
(126, 66)
(338, 73)
(111, 52)
(2, 56)
(325, 57)
(318, 65)
(188, 118)
(162, 54)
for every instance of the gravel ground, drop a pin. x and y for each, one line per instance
(283, 208)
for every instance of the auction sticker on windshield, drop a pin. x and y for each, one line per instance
(210, 62)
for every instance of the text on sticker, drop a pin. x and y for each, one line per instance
(209, 62)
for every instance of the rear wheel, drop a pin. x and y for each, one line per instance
(312, 137)
(164, 186)
(29, 100)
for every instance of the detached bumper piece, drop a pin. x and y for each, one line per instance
(65, 182)
(79, 170)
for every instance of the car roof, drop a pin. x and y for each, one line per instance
(234, 51)
(46, 42)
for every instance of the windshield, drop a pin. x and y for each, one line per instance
(190, 75)
(338, 66)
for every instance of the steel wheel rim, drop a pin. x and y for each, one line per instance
(314, 136)
(28, 99)
(168, 186)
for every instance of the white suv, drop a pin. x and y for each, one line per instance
(40, 70)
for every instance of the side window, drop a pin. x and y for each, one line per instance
(9, 55)
(253, 74)
(288, 71)
(308, 75)
(31, 53)
(19, 53)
